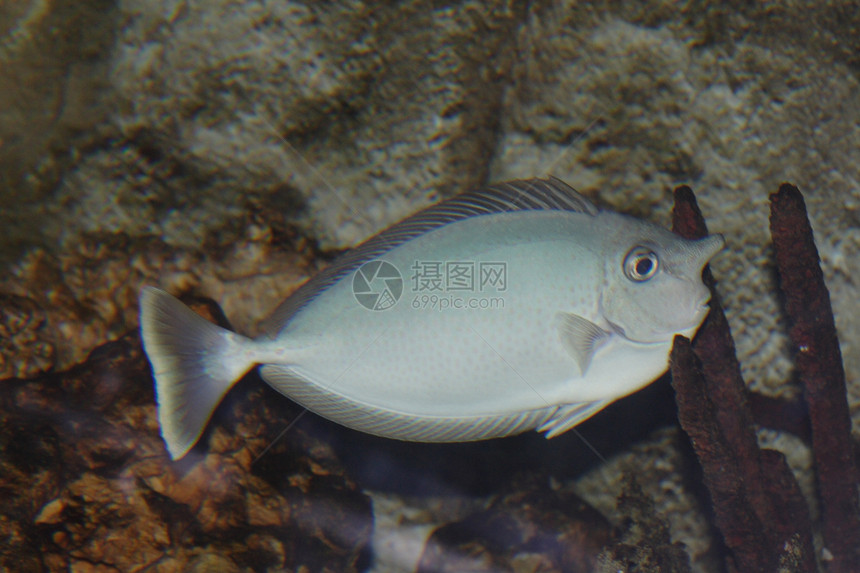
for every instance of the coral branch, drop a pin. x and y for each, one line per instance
(715, 348)
(758, 505)
(819, 363)
(743, 531)
(781, 414)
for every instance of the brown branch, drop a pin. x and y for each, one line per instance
(758, 506)
(743, 531)
(781, 414)
(819, 363)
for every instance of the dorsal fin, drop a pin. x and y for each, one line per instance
(518, 195)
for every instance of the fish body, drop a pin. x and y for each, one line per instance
(582, 310)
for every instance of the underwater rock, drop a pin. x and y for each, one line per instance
(102, 492)
(533, 528)
(645, 544)
(25, 347)
(54, 63)
(344, 116)
(87, 295)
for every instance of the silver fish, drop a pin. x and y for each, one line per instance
(584, 304)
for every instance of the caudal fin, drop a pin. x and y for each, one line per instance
(194, 363)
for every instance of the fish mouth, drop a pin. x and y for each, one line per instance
(701, 312)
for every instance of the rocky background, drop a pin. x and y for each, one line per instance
(229, 149)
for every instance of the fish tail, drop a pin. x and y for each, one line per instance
(194, 363)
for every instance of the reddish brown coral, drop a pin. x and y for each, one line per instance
(819, 364)
(758, 505)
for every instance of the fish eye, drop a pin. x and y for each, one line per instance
(640, 264)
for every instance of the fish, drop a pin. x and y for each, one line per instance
(520, 306)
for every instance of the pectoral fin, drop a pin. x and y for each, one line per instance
(581, 338)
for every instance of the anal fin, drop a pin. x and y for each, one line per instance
(566, 417)
(328, 403)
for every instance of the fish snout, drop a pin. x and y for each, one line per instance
(706, 248)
